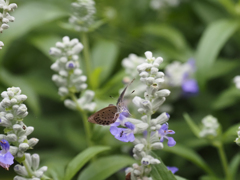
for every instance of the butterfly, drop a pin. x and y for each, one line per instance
(110, 114)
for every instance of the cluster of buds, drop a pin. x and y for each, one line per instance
(159, 4)
(154, 131)
(181, 75)
(5, 17)
(83, 13)
(70, 78)
(15, 140)
(210, 127)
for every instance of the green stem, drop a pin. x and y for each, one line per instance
(86, 55)
(85, 120)
(223, 158)
(28, 168)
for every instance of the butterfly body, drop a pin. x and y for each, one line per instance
(110, 114)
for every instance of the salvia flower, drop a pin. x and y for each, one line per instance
(181, 75)
(210, 127)
(236, 80)
(15, 142)
(82, 14)
(69, 77)
(6, 158)
(151, 132)
(5, 17)
(163, 132)
(172, 169)
(238, 138)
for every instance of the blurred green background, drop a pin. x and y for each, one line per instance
(206, 30)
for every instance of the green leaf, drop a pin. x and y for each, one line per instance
(233, 166)
(160, 171)
(180, 178)
(231, 134)
(222, 67)
(190, 155)
(211, 42)
(81, 159)
(227, 98)
(169, 33)
(30, 16)
(194, 128)
(11, 80)
(105, 167)
(104, 56)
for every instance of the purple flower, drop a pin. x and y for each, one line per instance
(123, 134)
(121, 119)
(190, 86)
(173, 169)
(6, 158)
(163, 132)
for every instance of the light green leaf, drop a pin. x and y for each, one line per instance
(233, 165)
(105, 167)
(190, 155)
(28, 17)
(104, 56)
(160, 171)
(231, 134)
(179, 178)
(227, 98)
(211, 42)
(194, 128)
(81, 159)
(11, 80)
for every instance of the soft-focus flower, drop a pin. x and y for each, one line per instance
(236, 80)
(123, 134)
(173, 169)
(210, 126)
(238, 138)
(190, 86)
(6, 158)
(1, 44)
(163, 132)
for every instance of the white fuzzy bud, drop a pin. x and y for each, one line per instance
(23, 147)
(35, 161)
(21, 170)
(148, 54)
(13, 150)
(32, 142)
(157, 145)
(70, 104)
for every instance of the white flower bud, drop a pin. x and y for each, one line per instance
(157, 145)
(66, 39)
(144, 74)
(12, 6)
(17, 127)
(23, 147)
(155, 161)
(141, 127)
(22, 138)
(4, 122)
(55, 51)
(60, 45)
(32, 142)
(137, 101)
(154, 70)
(21, 170)
(5, 103)
(2, 136)
(157, 62)
(139, 147)
(5, 26)
(44, 168)
(35, 161)
(145, 161)
(38, 174)
(162, 93)
(136, 172)
(70, 104)
(19, 178)
(20, 154)
(5, 20)
(11, 138)
(148, 54)
(29, 130)
(157, 103)
(13, 150)
(28, 158)
(143, 67)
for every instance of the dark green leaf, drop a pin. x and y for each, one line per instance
(81, 159)
(160, 171)
(190, 155)
(211, 42)
(104, 56)
(194, 128)
(105, 167)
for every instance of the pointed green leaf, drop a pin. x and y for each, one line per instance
(160, 171)
(194, 128)
(104, 167)
(81, 159)
(104, 56)
(211, 42)
(190, 155)
(233, 165)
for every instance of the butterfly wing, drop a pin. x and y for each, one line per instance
(105, 116)
(120, 99)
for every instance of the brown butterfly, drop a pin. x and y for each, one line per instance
(110, 114)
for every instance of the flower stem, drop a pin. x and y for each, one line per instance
(223, 158)
(28, 168)
(86, 55)
(85, 120)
